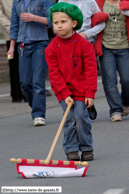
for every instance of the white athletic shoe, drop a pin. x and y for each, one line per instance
(116, 118)
(39, 121)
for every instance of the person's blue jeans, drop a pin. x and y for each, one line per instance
(111, 62)
(32, 70)
(77, 128)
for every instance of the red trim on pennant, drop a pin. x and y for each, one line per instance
(85, 170)
(17, 168)
(23, 163)
(71, 165)
(23, 175)
(36, 163)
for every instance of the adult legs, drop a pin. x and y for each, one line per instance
(109, 80)
(32, 76)
(123, 70)
(25, 72)
(16, 92)
(39, 67)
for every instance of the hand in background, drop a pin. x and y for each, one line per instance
(10, 53)
(27, 17)
(83, 35)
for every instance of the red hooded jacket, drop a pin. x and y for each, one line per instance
(72, 67)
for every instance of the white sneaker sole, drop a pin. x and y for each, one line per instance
(39, 122)
(116, 118)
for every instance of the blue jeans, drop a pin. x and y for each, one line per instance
(32, 70)
(77, 128)
(111, 62)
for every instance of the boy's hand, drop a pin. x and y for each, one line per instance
(89, 102)
(68, 100)
(83, 35)
(27, 17)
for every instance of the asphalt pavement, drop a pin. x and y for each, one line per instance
(107, 174)
(7, 108)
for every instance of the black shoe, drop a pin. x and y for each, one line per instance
(92, 113)
(48, 93)
(16, 100)
(73, 156)
(25, 100)
(87, 156)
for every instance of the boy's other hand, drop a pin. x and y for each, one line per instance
(27, 17)
(89, 102)
(68, 100)
(83, 35)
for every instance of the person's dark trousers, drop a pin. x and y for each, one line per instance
(16, 92)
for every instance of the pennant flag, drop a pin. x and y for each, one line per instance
(37, 170)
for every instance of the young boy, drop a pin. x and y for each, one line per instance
(73, 76)
(89, 8)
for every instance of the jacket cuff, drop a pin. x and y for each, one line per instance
(13, 37)
(49, 23)
(65, 93)
(88, 33)
(90, 94)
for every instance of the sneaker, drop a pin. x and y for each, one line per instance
(116, 118)
(87, 156)
(126, 110)
(39, 121)
(73, 156)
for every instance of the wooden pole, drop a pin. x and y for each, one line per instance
(54, 162)
(58, 133)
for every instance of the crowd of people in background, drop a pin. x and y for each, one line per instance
(29, 31)
(15, 88)
(5, 15)
(114, 56)
(110, 61)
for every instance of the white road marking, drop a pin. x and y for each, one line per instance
(114, 191)
(6, 95)
(48, 88)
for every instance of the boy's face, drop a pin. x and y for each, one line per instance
(63, 24)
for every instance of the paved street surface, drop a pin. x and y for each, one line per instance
(107, 174)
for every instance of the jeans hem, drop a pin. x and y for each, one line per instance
(116, 113)
(86, 149)
(71, 150)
